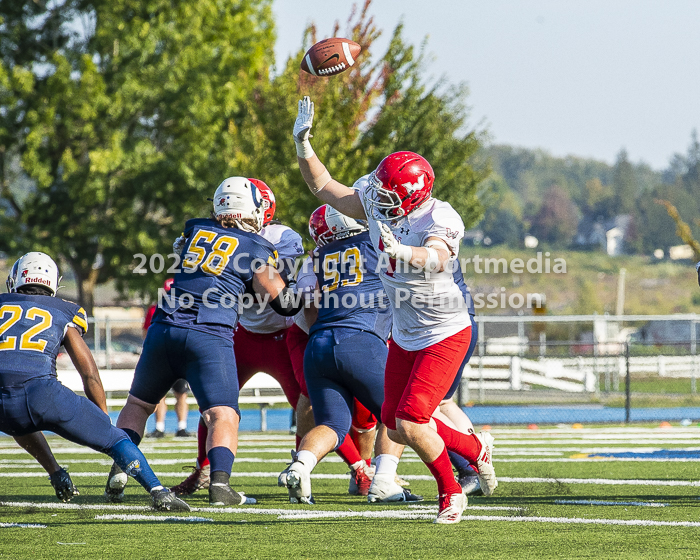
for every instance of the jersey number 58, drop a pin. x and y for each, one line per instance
(212, 260)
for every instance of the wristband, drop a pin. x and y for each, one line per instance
(304, 149)
(432, 261)
(320, 181)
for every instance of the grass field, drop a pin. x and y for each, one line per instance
(560, 496)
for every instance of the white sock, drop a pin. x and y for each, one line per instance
(358, 465)
(156, 488)
(182, 424)
(307, 459)
(160, 426)
(386, 465)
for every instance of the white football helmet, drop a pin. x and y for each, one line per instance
(326, 224)
(239, 198)
(34, 269)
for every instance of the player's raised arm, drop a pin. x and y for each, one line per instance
(317, 177)
(83, 361)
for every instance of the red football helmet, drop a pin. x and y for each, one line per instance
(269, 203)
(326, 224)
(400, 184)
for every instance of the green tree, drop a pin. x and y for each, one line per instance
(557, 219)
(379, 106)
(126, 127)
(624, 185)
(503, 214)
(119, 113)
(655, 228)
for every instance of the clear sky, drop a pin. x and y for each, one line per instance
(581, 77)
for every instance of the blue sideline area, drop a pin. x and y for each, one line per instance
(279, 419)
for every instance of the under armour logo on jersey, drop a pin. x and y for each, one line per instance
(418, 185)
(404, 230)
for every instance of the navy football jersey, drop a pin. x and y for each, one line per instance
(217, 265)
(459, 280)
(352, 294)
(32, 329)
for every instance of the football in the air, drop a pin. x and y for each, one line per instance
(330, 57)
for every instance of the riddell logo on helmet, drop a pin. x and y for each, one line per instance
(43, 281)
(418, 185)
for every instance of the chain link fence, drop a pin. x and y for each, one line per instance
(583, 369)
(537, 369)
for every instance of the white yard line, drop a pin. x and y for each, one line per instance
(22, 526)
(607, 503)
(323, 476)
(154, 518)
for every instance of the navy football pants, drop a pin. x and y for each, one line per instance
(205, 360)
(341, 364)
(43, 403)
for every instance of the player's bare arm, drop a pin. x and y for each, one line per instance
(83, 361)
(319, 180)
(267, 282)
(433, 256)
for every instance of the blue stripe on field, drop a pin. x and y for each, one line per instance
(279, 419)
(661, 454)
(573, 414)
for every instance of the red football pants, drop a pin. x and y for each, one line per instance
(416, 381)
(268, 353)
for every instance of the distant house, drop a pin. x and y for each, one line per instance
(667, 332)
(473, 237)
(609, 234)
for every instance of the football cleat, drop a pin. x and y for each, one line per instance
(470, 484)
(299, 484)
(451, 508)
(484, 464)
(360, 481)
(385, 490)
(166, 500)
(221, 494)
(116, 482)
(183, 433)
(198, 480)
(282, 478)
(156, 434)
(63, 485)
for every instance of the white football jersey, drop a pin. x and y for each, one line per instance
(306, 283)
(428, 307)
(289, 246)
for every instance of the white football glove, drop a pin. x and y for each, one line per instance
(179, 244)
(393, 246)
(305, 119)
(302, 128)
